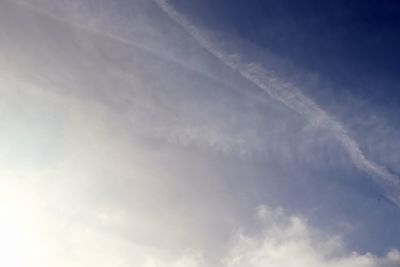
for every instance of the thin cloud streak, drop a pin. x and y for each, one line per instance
(292, 97)
(128, 42)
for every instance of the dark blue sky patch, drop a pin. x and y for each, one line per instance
(353, 43)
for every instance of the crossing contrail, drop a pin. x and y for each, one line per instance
(293, 98)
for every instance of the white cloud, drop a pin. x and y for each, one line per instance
(288, 241)
(36, 235)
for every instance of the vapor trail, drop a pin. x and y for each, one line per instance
(292, 97)
(125, 41)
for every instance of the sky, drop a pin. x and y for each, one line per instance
(171, 133)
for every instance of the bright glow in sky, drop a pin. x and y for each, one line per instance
(136, 133)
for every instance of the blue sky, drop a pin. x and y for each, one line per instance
(199, 133)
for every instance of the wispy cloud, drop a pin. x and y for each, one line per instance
(98, 28)
(292, 97)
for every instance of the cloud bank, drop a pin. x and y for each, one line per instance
(288, 241)
(284, 240)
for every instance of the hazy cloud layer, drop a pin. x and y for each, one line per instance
(125, 142)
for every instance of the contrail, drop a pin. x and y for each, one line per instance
(292, 97)
(125, 41)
